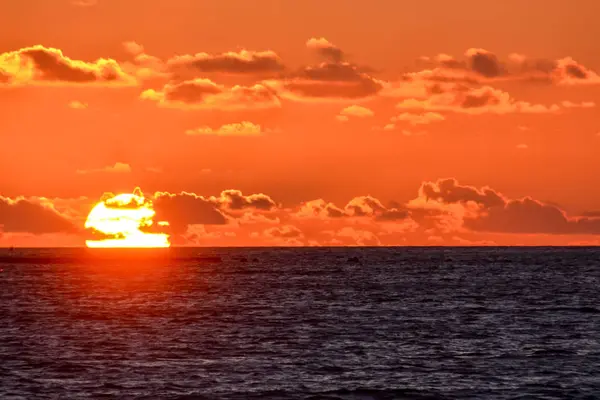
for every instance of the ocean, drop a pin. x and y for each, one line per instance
(300, 323)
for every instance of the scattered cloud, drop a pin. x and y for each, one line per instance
(206, 94)
(78, 105)
(480, 65)
(354, 111)
(329, 81)
(357, 111)
(117, 168)
(242, 62)
(485, 99)
(419, 119)
(84, 3)
(243, 128)
(326, 49)
(583, 104)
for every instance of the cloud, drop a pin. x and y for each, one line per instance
(328, 81)
(32, 215)
(117, 168)
(357, 111)
(354, 111)
(184, 209)
(234, 200)
(45, 65)
(206, 94)
(144, 66)
(419, 119)
(242, 62)
(190, 67)
(356, 237)
(480, 65)
(285, 232)
(444, 212)
(583, 104)
(480, 100)
(326, 49)
(367, 206)
(78, 105)
(485, 210)
(84, 3)
(243, 128)
(319, 209)
(133, 48)
(332, 80)
(522, 146)
(358, 207)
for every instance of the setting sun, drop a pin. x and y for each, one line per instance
(124, 220)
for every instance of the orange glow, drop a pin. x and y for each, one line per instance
(250, 135)
(123, 219)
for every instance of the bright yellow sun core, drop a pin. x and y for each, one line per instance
(124, 221)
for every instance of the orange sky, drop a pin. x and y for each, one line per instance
(304, 122)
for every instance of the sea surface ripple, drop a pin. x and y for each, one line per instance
(317, 323)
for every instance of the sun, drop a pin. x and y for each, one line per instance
(126, 221)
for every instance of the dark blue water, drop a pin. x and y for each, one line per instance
(397, 323)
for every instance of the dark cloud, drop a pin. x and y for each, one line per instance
(531, 216)
(235, 200)
(32, 216)
(485, 63)
(481, 66)
(333, 80)
(243, 62)
(449, 191)
(184, 209)
(495, 213)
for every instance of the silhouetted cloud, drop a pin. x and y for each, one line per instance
(236, 200)
(184, 209)
(484, 209)
(31, 215)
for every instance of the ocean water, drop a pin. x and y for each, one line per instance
(317, 323)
